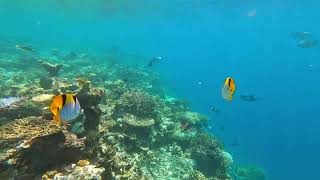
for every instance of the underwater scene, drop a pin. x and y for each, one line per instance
(159, 89)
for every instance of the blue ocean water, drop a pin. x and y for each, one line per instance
(207, 41)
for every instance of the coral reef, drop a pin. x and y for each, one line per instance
(131, 127)
(133, 121)
(81, 170)
(190, 120)
(11, 133)
(21, 109)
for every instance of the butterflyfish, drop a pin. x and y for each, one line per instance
(65, 107)
(228, 89)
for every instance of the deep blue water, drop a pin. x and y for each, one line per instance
(207, 41)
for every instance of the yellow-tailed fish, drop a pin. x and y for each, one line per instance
(65, 107)
(228, 89)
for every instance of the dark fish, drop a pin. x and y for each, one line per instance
(299, 35)
(249, 97)
(235, 143)
(307, 43)
(215, 110)
(154, 61)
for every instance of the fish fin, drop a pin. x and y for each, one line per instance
(57, 120)
(54, 110)
(56, 105)
(225, 93)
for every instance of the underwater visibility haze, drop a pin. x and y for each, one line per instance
(184, 89)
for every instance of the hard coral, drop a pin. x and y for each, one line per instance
(86, 173)
(23, 108)
(115, 89)
(211, 159)
(89, 99)
(137, 103)
(192, 118)
(43, 98)
(166, 163)
(134, 122)
(11, 133)
(50, 68)
(46, 82)
(83, 163)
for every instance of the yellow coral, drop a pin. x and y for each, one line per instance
(82, 163)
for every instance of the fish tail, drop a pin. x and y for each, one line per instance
(57, 120)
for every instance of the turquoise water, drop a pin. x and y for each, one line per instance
(206, 41)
